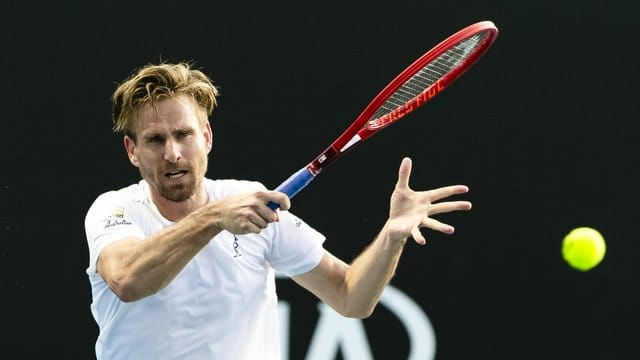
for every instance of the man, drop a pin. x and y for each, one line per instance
(182, 266)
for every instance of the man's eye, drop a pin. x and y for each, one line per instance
(183, 134)
(154, 140)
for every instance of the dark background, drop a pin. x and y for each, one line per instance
(543, 129)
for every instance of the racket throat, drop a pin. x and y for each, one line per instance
(329, 155)
(354, 140)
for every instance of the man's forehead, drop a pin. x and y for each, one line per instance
(168, 106)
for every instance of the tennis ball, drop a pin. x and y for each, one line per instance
(583, 248)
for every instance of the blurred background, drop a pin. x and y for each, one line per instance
(543, 129)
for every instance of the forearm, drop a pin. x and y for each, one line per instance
(143, 267)
(369, 273)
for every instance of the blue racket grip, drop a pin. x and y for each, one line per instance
(293, 184)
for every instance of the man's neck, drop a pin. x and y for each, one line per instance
(176, 210)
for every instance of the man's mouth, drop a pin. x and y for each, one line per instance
(175, 174)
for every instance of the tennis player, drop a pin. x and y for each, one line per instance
(182, 266)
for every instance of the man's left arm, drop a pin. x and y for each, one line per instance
(354, 290)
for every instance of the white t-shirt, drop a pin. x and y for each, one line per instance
(222, 305)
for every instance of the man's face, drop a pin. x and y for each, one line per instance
(171, 147)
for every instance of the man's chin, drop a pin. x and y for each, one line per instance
(178, 193)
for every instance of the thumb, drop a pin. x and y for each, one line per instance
(404, 173)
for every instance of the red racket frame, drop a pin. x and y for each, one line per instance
(361, 126)
(364, 127)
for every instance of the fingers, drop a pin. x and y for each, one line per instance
(436, 225)
(250, 212)
(449, 206)
(446, 191)
(267, 197)
(411, 211)
(283, 201)
(432, 224)
(417, 236)
(265, 212)
(249, 219)
(404, 173)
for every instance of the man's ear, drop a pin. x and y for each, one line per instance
(130, 146)
(208, 135)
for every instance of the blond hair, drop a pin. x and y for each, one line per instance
(151, 83)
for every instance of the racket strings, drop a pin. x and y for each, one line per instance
(431, 73)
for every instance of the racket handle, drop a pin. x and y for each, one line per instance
(293, 184)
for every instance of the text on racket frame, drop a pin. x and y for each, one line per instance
(407, 107)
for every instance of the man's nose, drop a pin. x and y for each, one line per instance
(172, 151)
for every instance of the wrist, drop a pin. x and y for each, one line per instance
(392, 236)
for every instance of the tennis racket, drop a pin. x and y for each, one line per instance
(420, 82)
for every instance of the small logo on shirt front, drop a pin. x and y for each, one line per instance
(112, 223)
(117, 213)
(116, 218)
(236, 246)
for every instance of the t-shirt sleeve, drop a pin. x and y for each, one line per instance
(296, 247)
(110, 218)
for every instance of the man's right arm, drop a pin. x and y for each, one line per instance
(135, 268)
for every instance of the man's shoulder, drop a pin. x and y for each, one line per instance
(117, 203)
(133, 192)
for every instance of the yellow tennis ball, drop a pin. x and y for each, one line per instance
(583, 248)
